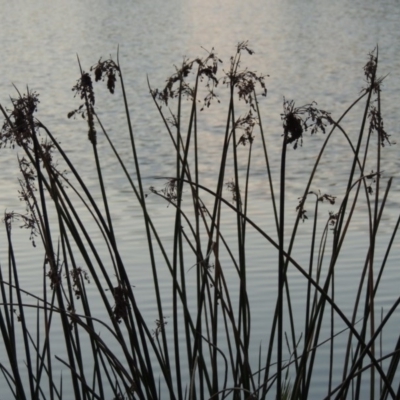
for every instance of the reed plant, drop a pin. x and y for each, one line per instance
(201, 344)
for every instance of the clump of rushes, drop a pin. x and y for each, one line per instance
(202, 349)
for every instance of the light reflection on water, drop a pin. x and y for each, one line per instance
(312, 50)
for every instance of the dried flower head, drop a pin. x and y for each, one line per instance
(333, 218)
(179, 85)
(28, 183)
(376, 125)
(160, 325)
(208, 69)
(372, 178)
(106, 70)
(302, 214)
(79, 276)
(370, 71)
(319, 197)
(84, 88)
(122, 305)
(297, 120)
(55, 277)
(176, 84)
(328, 197)
(247, 124)
(371, 67)
(169, 192)
(244, 81)
(26, 193)
(231, 186)
(17, 128)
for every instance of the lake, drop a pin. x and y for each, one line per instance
(310, 50)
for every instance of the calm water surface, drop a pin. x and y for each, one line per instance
(311, 50)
